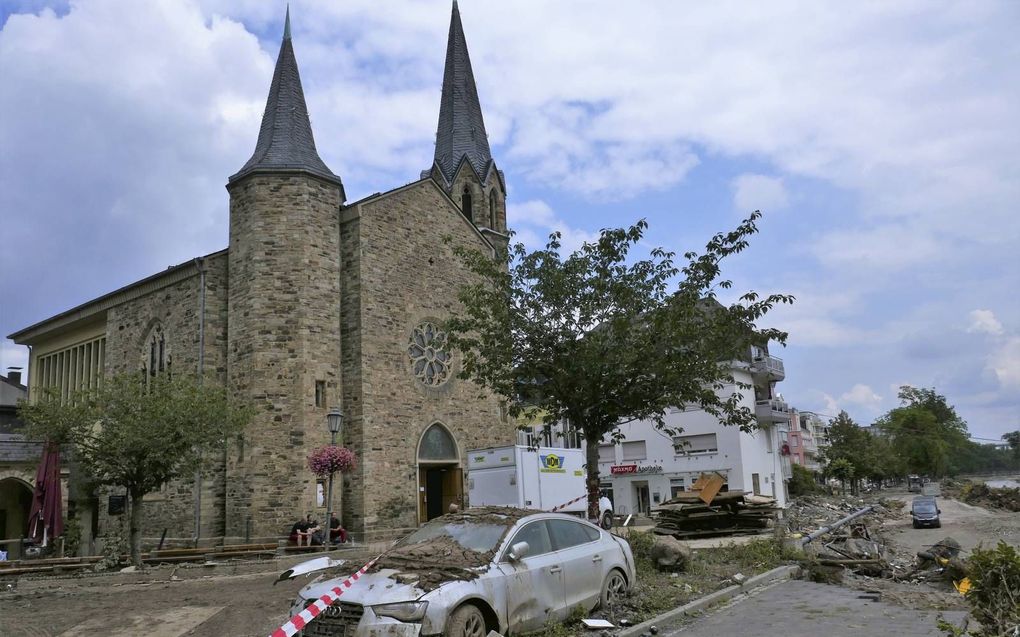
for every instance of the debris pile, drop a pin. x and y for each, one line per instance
(854, 548)
(993, 497)
(705, 511)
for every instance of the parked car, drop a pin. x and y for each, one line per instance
(464, 574)
(925, 512)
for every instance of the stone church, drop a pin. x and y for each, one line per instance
(316, 303)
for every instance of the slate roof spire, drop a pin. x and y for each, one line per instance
(461, 132)
(285, 140)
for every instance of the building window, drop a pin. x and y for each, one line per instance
(607, 453)
(492, 209)
(156, 353)
(430, 360)
(320, 393)
(72, 369)
(634, 450)
(465, 203)
(676, 487)
(697, 443)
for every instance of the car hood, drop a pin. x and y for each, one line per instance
(371, 588)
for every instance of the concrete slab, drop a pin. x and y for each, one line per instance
(169, 623)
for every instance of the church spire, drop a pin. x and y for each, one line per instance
(285, 141)
(461, 131)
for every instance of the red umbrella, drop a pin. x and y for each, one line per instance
(46, 519)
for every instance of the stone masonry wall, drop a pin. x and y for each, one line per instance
(176, 308)
(408, 275)
(283, 336)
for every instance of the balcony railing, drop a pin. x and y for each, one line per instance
(772, 410)
(771, 367)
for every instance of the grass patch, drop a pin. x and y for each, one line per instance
(656, 592)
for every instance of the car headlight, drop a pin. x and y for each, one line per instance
(402, 611)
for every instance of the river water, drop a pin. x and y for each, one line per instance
(1008, 483)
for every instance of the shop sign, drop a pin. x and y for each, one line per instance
(622, 469)
(652, 468)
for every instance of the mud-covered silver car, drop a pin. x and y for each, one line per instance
(467, 573)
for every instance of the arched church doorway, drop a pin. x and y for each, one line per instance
(15, 507)
(440, 479)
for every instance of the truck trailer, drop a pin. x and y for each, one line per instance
(542, 478)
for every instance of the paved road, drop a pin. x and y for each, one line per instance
(804, 609)
(967, 524)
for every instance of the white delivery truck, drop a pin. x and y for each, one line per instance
(543, 478)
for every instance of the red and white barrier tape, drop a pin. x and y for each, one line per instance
(566, 504)
(299, 621)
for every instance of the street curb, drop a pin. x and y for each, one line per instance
(769, 577)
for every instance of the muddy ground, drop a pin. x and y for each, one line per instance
(242, 600)
(161, 602)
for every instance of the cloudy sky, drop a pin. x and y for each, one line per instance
(881, 141)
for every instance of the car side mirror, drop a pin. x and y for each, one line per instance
(938, 510)
(518, 551)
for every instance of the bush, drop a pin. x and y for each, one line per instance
(802, 482)
(641, 543)
(994, 596)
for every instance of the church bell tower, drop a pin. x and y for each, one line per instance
(283, 342)
(463, 164)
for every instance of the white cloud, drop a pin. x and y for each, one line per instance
(1005, 363)
(759, 192)
(887, 247)
(857, 398)
(861, 395)
(12, 355)
(984, 322)
(534, 220)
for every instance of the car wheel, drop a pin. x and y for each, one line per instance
(614, 588)
(467, 621)
(916, 526)
(607, 521)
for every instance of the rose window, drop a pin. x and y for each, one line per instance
(430, 361)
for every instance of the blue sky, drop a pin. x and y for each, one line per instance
(880, 140)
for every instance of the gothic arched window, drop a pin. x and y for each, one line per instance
(156, 352)
(465, 203)
(492, 209)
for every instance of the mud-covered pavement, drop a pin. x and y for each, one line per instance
(242, 600)
(967, 524)
(161, 602)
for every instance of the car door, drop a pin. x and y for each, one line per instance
(534, 584)
(577, 545)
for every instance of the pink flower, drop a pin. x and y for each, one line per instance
(329, 459)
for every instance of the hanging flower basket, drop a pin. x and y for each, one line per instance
(329, 459)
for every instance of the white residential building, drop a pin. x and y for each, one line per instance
(648, 466)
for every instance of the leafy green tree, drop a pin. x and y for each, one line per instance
(842, 470)
(138, 433)
(802, 481)
(881, 461)
(850, 445)
(1013, 440)
(926, 432)
(596, 339)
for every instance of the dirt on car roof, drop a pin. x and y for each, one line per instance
(443, 559)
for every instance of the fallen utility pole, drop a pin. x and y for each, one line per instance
(835, 525)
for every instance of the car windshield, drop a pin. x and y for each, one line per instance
(476, 536)
(924, 507)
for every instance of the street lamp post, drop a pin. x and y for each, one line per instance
(334, 420)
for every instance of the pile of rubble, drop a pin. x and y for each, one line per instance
(729, 513)
(854, 548)
(992, 497)
(705, 511)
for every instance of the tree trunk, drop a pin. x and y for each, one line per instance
(591, 452)
(136, 528)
